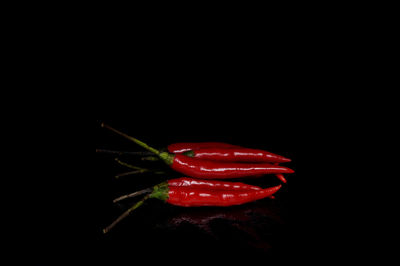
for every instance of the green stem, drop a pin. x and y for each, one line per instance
(132, 173)
(150, 158)
(125, 214)
(134, 194)
(165, 156)
(140, 143)
(129, 165)
(137, 170)
(159, 191)
(142, 153)
(140, 172)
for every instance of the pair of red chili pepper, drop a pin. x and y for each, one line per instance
(211, 160)
(218, 151)
(202, 161)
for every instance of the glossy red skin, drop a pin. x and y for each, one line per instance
(198, 168)
(194, 197)
(187, 146)
(210, 184)
(239, 155)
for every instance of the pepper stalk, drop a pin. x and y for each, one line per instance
(168, 158)
(159, 191)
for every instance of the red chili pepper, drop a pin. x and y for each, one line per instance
(237, 154)
(210, 184)
(189, 146)
(199, 168)
(190, 197)
(220, 170)
(188, 192)
(218, 151)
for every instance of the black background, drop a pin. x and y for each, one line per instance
(284, 91)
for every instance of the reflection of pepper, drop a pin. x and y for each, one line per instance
(199, 168)
(188, 192)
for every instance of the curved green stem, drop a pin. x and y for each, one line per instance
(137, 170)
(140, 143)
(129, 165)
(142, 153)
(165, 156)
(159, 191)
(132, 173)
(134, 194)
(125, 214)
(150, 158)
(140, 172)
